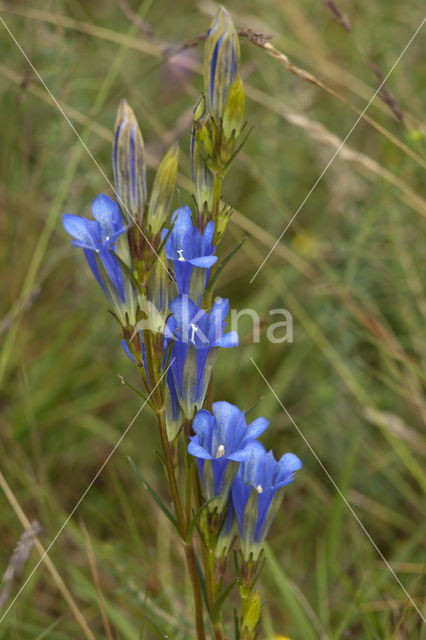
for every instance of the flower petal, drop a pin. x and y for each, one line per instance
(198, 452)
(85, 232)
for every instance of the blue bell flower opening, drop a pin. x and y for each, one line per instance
(220, 439)
(198, 335)
(257, 493)
(96, 238)
(191, 253)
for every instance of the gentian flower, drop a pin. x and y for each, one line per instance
(96, 238)
(257, 493)
(197, 337)
(221, 442)
(191, 253)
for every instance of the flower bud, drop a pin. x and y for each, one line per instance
(129, 164)
(163, 189)
(221, 62)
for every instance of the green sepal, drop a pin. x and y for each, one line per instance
(233, 115)
(221, 599)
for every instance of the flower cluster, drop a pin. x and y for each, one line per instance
(236, 470)
(158, 273)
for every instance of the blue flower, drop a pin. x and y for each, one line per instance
(191, 253)
(96, 238)
(257, 493)
(197, 337)
(221, 442)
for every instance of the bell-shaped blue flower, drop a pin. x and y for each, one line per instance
(257, 494)
(197, 337)
(191, 253)
(222, 441)
(96, 238)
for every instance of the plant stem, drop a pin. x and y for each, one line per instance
(183, 526)
(217, 190)
(208, 557)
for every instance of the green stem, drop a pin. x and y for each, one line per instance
(217, 190)
(183, 526)
(208, 557)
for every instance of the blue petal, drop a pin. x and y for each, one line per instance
(256, 428)
(290, 463)
(253, 467)
(204, 261)
(230, 339)
(202, 423)
(206, 241)
(107, 213)
(198, 452)
(127, 351)
(242, 455)
(85, 232)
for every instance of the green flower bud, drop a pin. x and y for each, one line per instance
(251, 614)
(163, 189)
(129, 164)
(221, 62)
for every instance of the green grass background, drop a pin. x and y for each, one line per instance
(351, 270)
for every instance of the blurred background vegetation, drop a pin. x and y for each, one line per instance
(351, 270)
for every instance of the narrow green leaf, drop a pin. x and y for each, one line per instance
(221, 599)
(154, 495)
(142, 395)
(224, 263)
(195, 518)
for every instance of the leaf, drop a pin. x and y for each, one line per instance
(127, 270)
(236, 152)
(142, 395)
(221, 599)
(236, 625)
(154, 495)
(194, 520)
(224, 263)
(159, 631)
(253, 406)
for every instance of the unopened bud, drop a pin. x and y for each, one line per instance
(163, 189)
(129, 164)
(221, 62)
